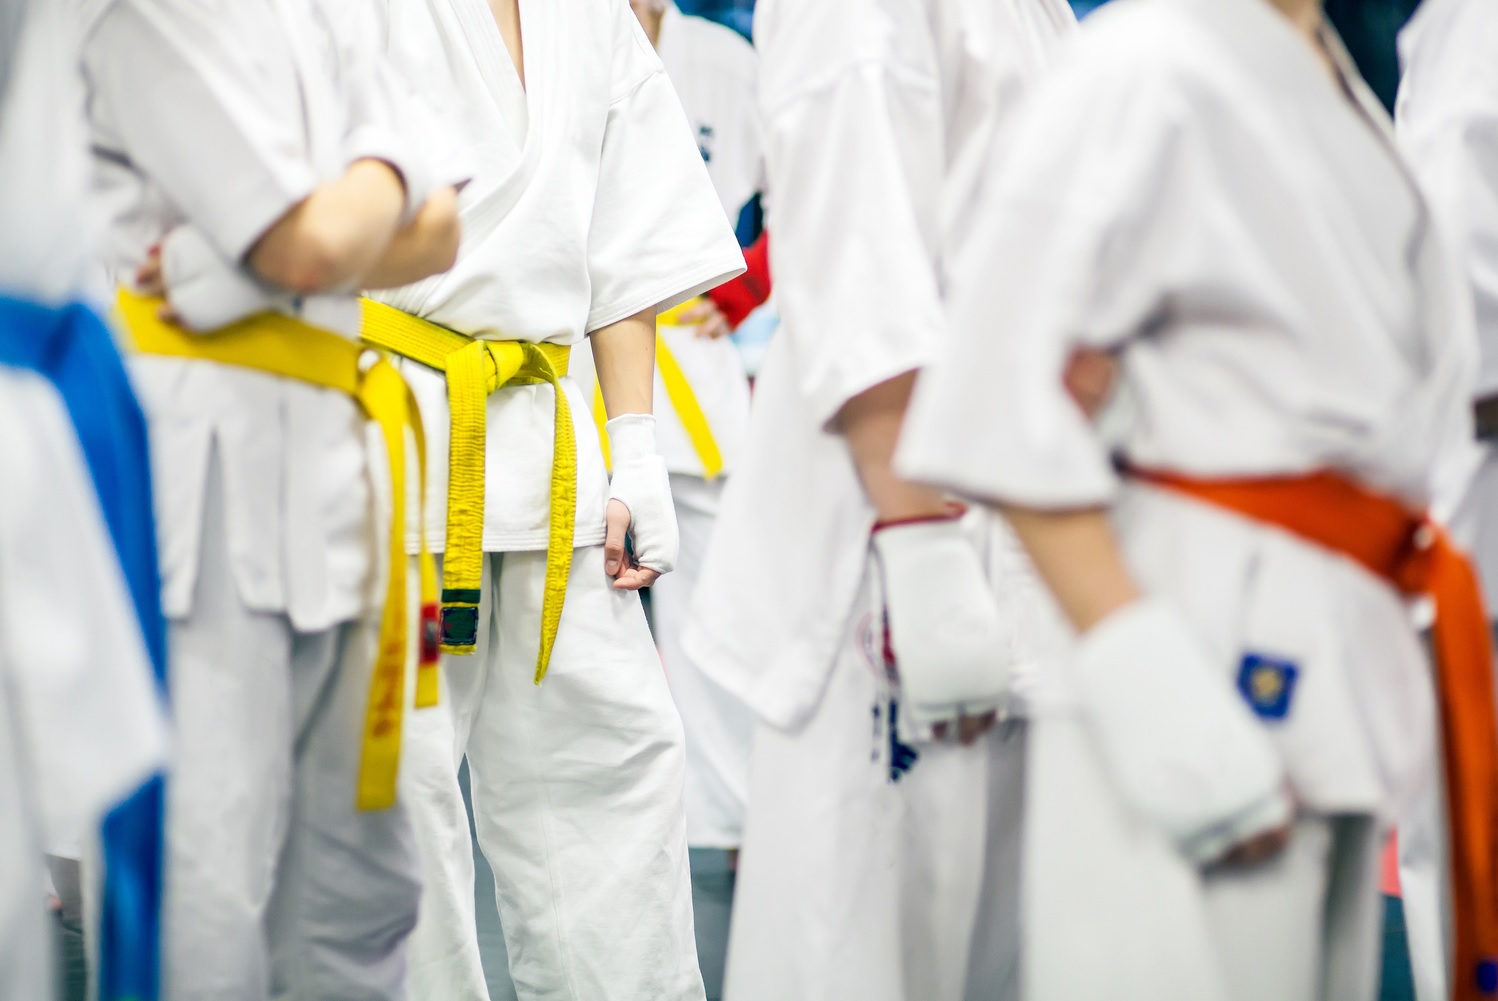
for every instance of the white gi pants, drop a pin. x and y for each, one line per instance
(577, 798)
(856, 886)
(718, 725)
(25, 939)
(276, 886)
(1113, 911)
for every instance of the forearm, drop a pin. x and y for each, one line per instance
(428, 246)
(336, 235)
(624, 359)
(1078, 556)
(870, 423)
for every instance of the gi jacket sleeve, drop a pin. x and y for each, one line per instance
(1091, 205)
(854, 140)
(175, 94)
(1448, 127)
(658, 235)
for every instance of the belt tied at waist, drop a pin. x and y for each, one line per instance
(474, 369)
(1415, 556)
(683, 400)
(284, 346)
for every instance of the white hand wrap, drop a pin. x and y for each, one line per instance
(205, 290)
(1182, 747)
(640, 481)
(951, 648)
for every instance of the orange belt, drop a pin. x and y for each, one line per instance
(1414, 555)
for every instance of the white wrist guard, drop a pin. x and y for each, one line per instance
(1182, 747)
(641, 483)
(952, 650)
(205, 290)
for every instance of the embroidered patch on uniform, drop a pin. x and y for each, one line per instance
(460, 626)
(1487, 977)
(1268, 685)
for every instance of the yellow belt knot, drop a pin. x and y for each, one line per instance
(474, 369)
(284, 346)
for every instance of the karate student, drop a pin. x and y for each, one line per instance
(81, 722)
(1447, 117)
(589, 212)
(259, 154)
(702, 404)
(1207, 190)
(858, 614)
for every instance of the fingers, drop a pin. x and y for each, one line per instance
(635, 578)
(1259, 847)
(700, 313)
(616, 526)
(715, 328)
(708, 319)
(970, 728)
(967, 729)
(148, 278)
(1089, 378)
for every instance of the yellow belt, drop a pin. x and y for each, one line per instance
(281, 345)
(475, 368)
(679, 392)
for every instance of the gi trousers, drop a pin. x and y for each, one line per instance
(26, 963)
(577, 796)
(718, 725)
(276, 886)
(1111, 910)
(866, 876)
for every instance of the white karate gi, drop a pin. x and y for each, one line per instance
(1447, 118)
(716, 73)
(589, 204)
(878, 120)
(224, 118)
(81, 725)
(1192, 189)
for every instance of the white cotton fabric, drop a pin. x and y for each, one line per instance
(878, 115)
(716, 74)
(1447, 117)
(1447, 122)
(590, 204)
(46, 255)
(277, 885)
(857, 885)
(266, 107)
(81, 721)
(1277, 313)
(717, 724)
(1192, 190)
(577, 801)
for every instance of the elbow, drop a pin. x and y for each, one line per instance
(308, 261)
(445, 244)
(440, 217)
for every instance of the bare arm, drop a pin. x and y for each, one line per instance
(871, 424)
(1079, 558)
(624, 356)
(336, 235)
(427, 246)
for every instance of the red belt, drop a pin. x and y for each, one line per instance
(1414, 555)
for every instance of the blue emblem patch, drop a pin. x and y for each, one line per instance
(1268, 685)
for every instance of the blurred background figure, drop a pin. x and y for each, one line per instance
(82, 735)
